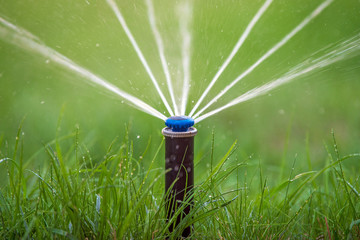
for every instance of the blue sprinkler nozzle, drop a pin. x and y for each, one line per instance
(179, 123)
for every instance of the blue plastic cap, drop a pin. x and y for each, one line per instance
(179, 123)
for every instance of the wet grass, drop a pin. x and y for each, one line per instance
(115, 195)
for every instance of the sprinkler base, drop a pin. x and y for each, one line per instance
(179, 178)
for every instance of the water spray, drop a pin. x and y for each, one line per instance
(179, 164)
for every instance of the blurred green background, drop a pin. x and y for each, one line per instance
(270, 127)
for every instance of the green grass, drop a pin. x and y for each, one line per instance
(119, 196)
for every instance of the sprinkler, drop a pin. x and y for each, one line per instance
(179, 164)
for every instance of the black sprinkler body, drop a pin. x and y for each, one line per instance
(179, 164)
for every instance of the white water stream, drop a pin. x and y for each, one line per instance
(160, 45)
(121, 19)
(27, 41)
(240, 42)
(342, 51)
(281, 43)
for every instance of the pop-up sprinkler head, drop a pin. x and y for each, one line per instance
(179, 164)
(179, 123)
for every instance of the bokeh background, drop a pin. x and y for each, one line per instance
(295, 119)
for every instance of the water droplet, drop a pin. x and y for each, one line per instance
(70, 227)
(138, 136)
(42, 102)
(98, 203)
(97, 45)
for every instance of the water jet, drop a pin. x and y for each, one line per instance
(179, 164)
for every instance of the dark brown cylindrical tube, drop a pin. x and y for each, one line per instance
(179, 180)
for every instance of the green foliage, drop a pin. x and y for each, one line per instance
(118, 196)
